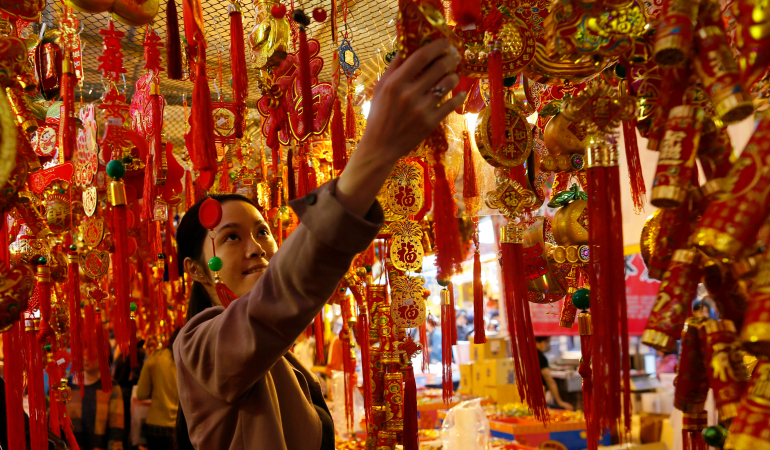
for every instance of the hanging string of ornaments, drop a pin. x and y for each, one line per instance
(89, 219)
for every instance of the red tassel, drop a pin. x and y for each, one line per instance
(292, 185)
(73, 290)
(339, 152)
(14, 386)
(42, 295)
(90, 332)
(305, 85)
(638, 189)
(350, 117)
(172, 265)
(122, 312)
(102, 349)
(38, 431)
(225, 295)
(67, 426)
(349, 370)
(447, 320)
(411, 441)
(189, 190)
(447, 242)
(466, 12)
(479, 333)
(67, 127)
(452, 313)
(224, 180)
(318, 330)
(425, 348)
(497, 98)
(173, 43)
(238, 66)
(363, 341)
(147, 192)
(203, 152)
(302, 177)
(585, 371)
(53, 405)
(470, 183)
(524, 352)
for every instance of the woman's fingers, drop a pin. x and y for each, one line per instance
(421, 59)
(450, 105)
(438, 71)
(431, 99)
(395, 63)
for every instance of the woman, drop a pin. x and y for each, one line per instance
(239, 387)
(157, 383)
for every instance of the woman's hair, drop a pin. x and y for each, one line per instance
(190, 236)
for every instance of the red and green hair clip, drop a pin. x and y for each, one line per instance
(210, 215)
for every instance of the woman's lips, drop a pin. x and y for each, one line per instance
(256, 269)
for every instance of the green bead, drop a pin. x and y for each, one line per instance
(215, 264)
(368, 268)
(132, 306)
(715, 436)
(443, 283)
(620, 71)
(116, 169)
(62, 191)
(42, 260)
(161, 256)
(509, 82)
(47, 347)
(127, 159)
(73, 247)
(581, 298)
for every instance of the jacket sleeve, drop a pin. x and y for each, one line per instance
(227, 351)
(144, 386)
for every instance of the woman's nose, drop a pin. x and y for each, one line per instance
(255, 249)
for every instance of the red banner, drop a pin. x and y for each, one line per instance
(640, 296)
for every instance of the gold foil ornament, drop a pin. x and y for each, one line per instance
(408, 308)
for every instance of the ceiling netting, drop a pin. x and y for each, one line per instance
(371, 29)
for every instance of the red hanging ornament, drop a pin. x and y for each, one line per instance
(13, 343)
(238, 63)
(42, 296)
(638, 189)
(319, 14)
(339, 152)
(35, 386)
(210, 215)
(466, 12)
(318, 330)
(447, 230)
(479, 332)
(497, 96)
(76, 325)
(447, 322)
(278, 11)
(305, 82)
(174, 46)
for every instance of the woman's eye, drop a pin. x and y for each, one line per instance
(232, 237)
(264, 232)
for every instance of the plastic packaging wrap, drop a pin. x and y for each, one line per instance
(466, 427)
(338, 406)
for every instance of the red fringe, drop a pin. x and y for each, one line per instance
(53, 405)
(225, 295)
(122, 313)
(592, 429)
(318, 329)
(103, 349)
(638, 189)
(238, 66)
(90, 334)
(447, 320)
(339, 152)
(497, 99)
(173, 43)
(14, 386)
(133, 357)
(466, 12)
(411, 428)
(479, 333)
(452, 313)
(425, 348)
(38, 431)
(76, 339)
(523, 350)
(147, 192)
(366, 372)
(693, 440)
(67, 426)
(350, 117)
(470, 183)
(292, 185)
(224, 180)
(449, 255)
(42, 294)
(349, 379)
(67, 121)
(203, 152)
(303, 177)
(189, 190)
(305, 84)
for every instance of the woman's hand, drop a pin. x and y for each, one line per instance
(406, 108)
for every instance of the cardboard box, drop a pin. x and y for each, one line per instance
(503, 393)
(494, 348)
(466, 378)
(497, 372)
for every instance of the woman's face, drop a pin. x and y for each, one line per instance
(244, 242)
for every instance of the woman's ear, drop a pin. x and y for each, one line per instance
(196, 271)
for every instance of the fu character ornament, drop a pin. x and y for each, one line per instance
(210, 215)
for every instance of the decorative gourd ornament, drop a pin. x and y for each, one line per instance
(562, 136)
(570, 223)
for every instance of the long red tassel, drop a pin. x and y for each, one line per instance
(238, 65)
(148, 196)
(452, 313)
(67, 426)
(204, 152)
(53, 405)
(446, 347)
(470, 183)
(479, 333)
(122, 311)
(363, 341)
(526, 364)
(447, 231)
(290, 178)
(466, 12)
(90, 334)
(339, 152)
(302, 177)
(638, 189)
(189, 190)
(102, 349)
(225, 295)
(224, 180)
(42, 295)
(67, 127)
(14, 386)
(73, 290)
(318, 329)
(173, 43)
(305, 84)
(497, 98)
(585, 371)
(411, 440)
(349, 370)
(38, 431)
(350, 116)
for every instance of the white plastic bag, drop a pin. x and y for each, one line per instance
(338, 405)
(466, 427)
